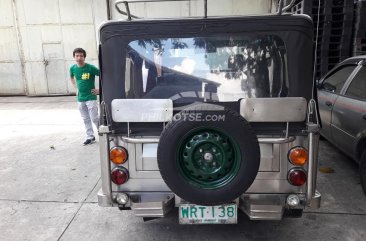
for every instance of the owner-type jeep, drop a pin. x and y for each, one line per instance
(209, 116)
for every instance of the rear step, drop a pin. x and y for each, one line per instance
(153, 208)
(258, 209)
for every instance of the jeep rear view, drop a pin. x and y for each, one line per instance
(209, 116)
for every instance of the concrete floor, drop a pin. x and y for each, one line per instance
(48, 185)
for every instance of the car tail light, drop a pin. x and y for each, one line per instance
(118, 155)
(297, 176)
(119, 175)
(298, 156)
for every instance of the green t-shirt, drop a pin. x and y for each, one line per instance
(85, 80)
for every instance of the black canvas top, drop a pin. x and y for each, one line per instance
(295, 30)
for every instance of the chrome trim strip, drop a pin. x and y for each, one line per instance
(156, 140)
(277, 140)
(313, 129)
(139, 140)
(106, 190)
(312, 167)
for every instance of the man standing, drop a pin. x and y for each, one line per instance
(83, 78)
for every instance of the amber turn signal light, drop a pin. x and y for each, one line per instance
(298, 156)
(118, 155)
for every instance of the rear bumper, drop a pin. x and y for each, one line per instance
(255, 206)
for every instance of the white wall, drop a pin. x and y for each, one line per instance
(11, 79)
(48, 30)
(196, 8)
(64, 23)
(37, 32)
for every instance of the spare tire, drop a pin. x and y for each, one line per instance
(208, 155)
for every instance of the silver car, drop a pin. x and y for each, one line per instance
(342, 106)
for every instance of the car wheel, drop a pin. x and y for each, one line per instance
(363, 171)
(208, 156)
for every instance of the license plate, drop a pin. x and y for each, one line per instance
(196, 214)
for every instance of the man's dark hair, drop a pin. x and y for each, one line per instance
(79, 50)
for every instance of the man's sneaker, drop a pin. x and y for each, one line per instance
(89, 141)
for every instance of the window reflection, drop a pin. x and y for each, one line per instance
(206, 68)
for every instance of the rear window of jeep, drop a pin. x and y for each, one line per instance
(213, 69)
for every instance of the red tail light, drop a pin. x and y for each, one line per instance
(119, 175)
(297, 176)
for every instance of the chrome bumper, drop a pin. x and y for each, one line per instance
(255, 206)
(157, 205)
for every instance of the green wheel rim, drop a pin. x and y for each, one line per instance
(208, 158)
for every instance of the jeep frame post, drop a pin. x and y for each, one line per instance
(209, 115)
